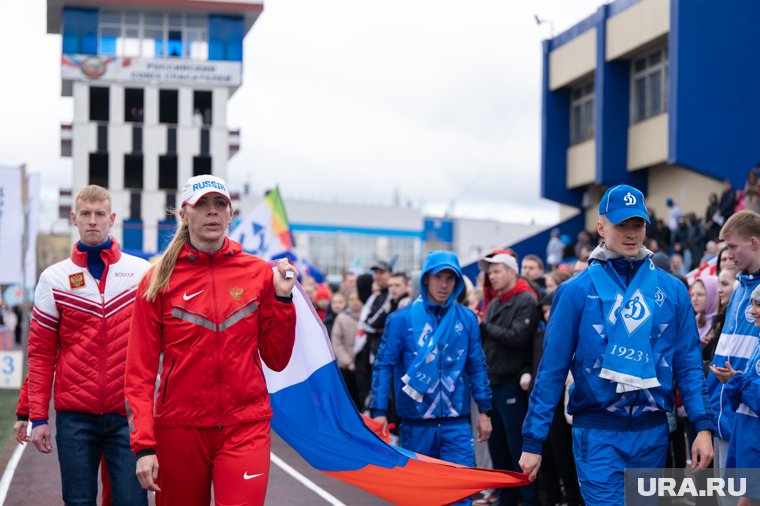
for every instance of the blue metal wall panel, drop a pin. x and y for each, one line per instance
(619, 6)
(536, 244)
(439, 230)
(714, 105)
(612, 111)
(166, 229)
(555, 139)
(574, 31)
(133, 235)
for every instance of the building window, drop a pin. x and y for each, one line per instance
(80, 29)
(202, 114)
(168, 106)
(226, 38)
(167, 172)
(205, 141)
(133, 105)
(649, 85)
(98, 103)
(102, 138)
(99, 169)
(171, 205)
(153, 34)
(201, 165)
(135, 205)
(133, 172)
(582, 113)
(137, 139)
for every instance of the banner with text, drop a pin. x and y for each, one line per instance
(33, 184)
(150, 70)
(11, 225)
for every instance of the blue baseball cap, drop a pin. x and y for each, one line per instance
(622, 202)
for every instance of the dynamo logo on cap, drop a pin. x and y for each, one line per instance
(622, 202)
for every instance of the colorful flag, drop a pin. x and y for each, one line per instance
(315, 415)
(265, 232)
(13, 295)
(707, 268)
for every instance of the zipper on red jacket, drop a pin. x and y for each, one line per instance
(103, 325)
(103, 354)
(218, 339)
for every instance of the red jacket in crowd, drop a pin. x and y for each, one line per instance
(79, 331)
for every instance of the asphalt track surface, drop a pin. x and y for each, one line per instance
(37, 481)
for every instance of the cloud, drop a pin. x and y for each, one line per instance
(435, 101)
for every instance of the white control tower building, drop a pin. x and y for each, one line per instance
(150, 81)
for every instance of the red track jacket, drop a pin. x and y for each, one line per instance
(79, 332)
(218, 314)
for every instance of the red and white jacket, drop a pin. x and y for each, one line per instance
(79, 331)
(217, 315)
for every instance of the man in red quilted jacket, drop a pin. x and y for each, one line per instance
(79, 331)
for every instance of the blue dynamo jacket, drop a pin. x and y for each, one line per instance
(743, 394)
(399, 348)
(575, 341)
(736, 344)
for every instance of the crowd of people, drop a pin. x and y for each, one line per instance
(512, 301)
(604, 358)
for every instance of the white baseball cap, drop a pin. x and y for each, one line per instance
(198, 186)
(501, 258)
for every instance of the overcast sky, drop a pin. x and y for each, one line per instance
(436, 102)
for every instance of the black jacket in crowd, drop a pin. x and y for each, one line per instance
(508, 334)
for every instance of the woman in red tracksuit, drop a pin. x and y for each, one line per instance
(210, 309)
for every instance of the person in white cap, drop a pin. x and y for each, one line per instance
(508, 331)
(212, 311)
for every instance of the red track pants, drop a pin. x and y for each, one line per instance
(234, 458)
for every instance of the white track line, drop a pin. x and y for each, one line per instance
(5, 482)
(303, 479)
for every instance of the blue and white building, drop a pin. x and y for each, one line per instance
(150, 81)
(661, 94)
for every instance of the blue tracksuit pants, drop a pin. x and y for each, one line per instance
(601, 457)
(446, 439)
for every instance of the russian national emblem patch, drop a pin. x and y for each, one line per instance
(236, 293)
(76, 280)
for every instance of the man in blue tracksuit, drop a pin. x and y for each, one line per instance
(739, 336)
(626, 331)
(431, 355)
(742, 389)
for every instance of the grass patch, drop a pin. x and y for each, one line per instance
(8, 401)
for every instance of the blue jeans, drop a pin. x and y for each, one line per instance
(82, 438)
(510, 405)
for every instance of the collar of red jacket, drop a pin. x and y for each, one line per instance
(520, 286)
(109, 256)
(190, 254)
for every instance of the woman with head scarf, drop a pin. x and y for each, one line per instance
(704, 300)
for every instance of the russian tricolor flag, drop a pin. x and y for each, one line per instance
(315, 415)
